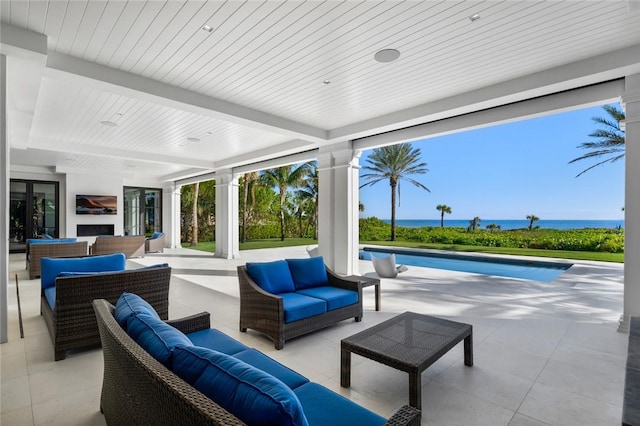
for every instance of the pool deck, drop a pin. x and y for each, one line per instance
(545, 353)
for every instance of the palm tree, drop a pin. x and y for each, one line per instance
(395, 163)
(474, 223)
(609, 141)
(532, 218)
(443, 208)
(284, 178)
(308, 194)
(248, 183)
(493, 227)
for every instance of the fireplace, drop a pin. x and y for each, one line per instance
(94, 230)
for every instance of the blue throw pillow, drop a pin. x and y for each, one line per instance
(47, 237)
(272, 277)
(156, 337)
(156, 235)
(130, 304)
(308, 272)
(255, 397)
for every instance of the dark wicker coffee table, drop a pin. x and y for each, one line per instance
(408, 342)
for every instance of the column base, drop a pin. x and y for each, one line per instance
(623, 326)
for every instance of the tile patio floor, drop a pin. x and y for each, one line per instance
(544, 353)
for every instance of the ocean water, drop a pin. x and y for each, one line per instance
(511, 223)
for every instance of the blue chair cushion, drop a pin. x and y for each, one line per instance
(272, 277)
(156, 337)
(130, 304)
(248, 393)
(47, 237)
(324, 407)
(51, 267)
(335, 297)
(216, 340)
(50, 295)
(307, 273)
(52, 241)
(299, 306)
(268, 365)
(156, 235)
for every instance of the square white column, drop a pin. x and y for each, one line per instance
(338, 237)
(227, 222)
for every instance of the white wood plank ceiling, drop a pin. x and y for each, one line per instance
(271, 60)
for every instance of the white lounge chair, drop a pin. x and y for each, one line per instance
(386, 266)
(312, 251)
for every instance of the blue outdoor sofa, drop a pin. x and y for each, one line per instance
(182, 372)
(288, 298)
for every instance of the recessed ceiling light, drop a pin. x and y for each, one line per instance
(474, 17)
(387, 55)
(109, 123)
(327, 82)
(207, 28)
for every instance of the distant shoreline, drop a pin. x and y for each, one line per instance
(506, 224)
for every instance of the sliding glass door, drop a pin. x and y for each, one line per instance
(33, 211)
(142, 211)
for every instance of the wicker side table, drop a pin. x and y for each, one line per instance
(367, 282)
(408, 342)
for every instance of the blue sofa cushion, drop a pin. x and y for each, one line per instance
(51, 267)
(52, 241)
(130, 304)
(268, 365)
(299, 306)
(307, 273)
(250, 394)
(156, 337)
(272, 277)
(335, 297)
(50, 295)
(324, 407)
(216, 340)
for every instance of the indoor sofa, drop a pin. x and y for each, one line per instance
(60, 247)
(292, 297)
(69, 285)
(182, 372)
(130, 245)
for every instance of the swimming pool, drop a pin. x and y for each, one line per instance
(503, 267)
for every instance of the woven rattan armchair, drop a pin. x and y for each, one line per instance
(72, 323)
(130, 245)
(137, 389)
(35, 252)
(264, 312)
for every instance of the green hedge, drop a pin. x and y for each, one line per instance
(605, 240)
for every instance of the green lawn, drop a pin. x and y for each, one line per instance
(577, 255)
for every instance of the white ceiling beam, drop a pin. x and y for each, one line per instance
(84, 149)
(273, 152)
(71, 69)
(606, 67)
(564, 101)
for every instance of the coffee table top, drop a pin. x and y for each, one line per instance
(408, 341)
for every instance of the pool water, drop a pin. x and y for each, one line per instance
(514, 268)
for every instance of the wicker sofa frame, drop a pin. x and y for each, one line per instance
(264, 312)
(137, 389)
(35, 252)
(73, 322)
(130, 245)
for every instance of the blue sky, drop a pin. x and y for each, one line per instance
(508, 172)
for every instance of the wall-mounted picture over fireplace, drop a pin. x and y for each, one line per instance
(96, 204)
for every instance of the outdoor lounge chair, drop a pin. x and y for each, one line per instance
(386, 266)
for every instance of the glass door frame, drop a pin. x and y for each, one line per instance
(30, 229)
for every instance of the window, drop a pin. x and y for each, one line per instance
(142, 211)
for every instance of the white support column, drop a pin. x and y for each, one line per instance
(227, 222)
(4, 196)
(174, 217)
(338, 207)
(631, 104)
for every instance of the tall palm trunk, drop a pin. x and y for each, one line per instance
(194, 237)
(283, 193)
(393, 211)
(442, 218)
(245, 202)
